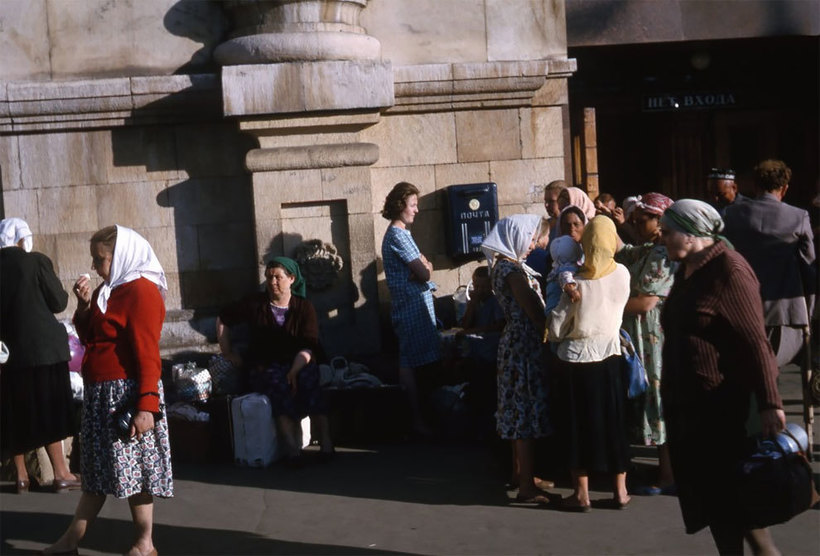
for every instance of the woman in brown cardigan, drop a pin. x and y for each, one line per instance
(715, 357)
(283, 354)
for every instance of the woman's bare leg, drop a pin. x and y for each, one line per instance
(87, 509)
(407, 378)
(142, 512)
(619, 488)
(761, 542)
(287, 427)
(580, 496)
(58, 463)
(20, 466)
(524, 449)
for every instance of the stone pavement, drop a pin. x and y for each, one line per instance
(411, 498)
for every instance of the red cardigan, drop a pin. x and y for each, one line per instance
(123, 342)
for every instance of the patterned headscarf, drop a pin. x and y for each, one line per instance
(654, 203)
(298, 287)
(600, 241)
(133, 258)
(511, 237)
(629, 204)
(12, 230)
(695, 218)
(581, 200)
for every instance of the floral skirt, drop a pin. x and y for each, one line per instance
(308, 399)
(122, 467)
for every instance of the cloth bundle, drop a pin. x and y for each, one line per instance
(191, 383)
(225, 377)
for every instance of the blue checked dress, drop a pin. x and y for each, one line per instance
(522, 379)
(414, 319)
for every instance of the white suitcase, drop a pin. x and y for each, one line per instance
(254, 432)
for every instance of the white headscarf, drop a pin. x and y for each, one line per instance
(511, 237)
(133, 258)
(12, 230)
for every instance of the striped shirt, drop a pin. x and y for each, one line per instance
(713, 321)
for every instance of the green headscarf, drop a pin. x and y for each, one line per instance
(695, 218)
(292, 267)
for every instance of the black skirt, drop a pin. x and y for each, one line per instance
(706, 440)
(36, 407)
(588, 411)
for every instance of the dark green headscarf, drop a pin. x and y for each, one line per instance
(695, 218)
(292, 267)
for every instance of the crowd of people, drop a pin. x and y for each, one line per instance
(710, 319)
(684, 279)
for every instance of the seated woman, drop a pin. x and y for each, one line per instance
(283, 352)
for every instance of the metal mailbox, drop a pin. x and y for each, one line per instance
(472, 211)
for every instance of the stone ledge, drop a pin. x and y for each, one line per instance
(465, 86)
(313, 156)
(84, 104)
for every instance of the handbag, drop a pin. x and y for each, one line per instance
(634, 371)
(774, 483)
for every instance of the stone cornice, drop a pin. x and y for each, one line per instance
(464, 86)
(104, 103)
(37, 106)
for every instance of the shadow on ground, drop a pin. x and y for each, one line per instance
(106, 534)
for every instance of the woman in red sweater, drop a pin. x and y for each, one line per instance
(120, 324)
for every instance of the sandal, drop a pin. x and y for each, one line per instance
(538, 500)
(574, 507)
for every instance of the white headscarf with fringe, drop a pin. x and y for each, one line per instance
(511, 237)
(133, 258)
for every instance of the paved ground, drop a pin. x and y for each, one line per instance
(405, 498)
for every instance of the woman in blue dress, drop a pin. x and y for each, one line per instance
(408, 275)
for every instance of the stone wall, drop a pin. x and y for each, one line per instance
(321, 106)
(65, 39)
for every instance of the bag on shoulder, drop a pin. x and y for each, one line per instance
(634, 371)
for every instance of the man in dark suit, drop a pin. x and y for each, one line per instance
(776, 239)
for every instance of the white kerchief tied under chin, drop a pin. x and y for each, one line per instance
(133, 258)
(511, 237)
